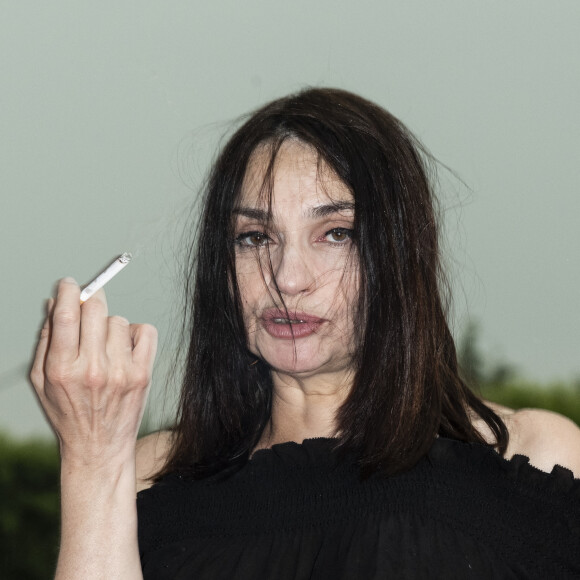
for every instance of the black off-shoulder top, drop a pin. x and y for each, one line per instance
(298, 511)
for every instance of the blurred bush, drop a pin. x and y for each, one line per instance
(29, 509)
(500, 382)
(559, 397)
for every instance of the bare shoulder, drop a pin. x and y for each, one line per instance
(151, 454)
(546, 438)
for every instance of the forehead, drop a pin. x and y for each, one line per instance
(296, 176)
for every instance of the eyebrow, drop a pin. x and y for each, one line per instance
(314, 212)
(329, 209)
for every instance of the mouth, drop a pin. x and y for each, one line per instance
(278, 316)
(290, 325)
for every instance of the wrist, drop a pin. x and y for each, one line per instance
(97, 476)
(97, 458)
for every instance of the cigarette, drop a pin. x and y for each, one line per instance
(105, 276)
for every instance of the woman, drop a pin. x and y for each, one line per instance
(323, 429)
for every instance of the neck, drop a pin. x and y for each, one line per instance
(303, 408)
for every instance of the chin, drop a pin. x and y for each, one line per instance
(290, 364)
(304, 357)
(288, 361)
(302, 364)
(295, 369)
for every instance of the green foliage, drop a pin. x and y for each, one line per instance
(29, 509)
(561, 398)
(499, 382)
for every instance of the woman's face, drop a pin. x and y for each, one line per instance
(307, 252)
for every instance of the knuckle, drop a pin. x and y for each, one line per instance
(65, 317)
(146, 333)
(145, 329)
(119, 321)
(95, 376)
(58, 374)
(94, 306)
(141, 378)
(36, 377)
(118, 377)
(150, 330)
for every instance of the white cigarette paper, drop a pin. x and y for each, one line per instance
(105, 276)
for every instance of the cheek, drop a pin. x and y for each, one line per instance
(350, 296)
(250, 301)
(352, 288)
(247, 273)
(244, 288)
(340, 294)
(251, 287)
(347, 284)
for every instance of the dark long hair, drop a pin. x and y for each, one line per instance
(407, 388)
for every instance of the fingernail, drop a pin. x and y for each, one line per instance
(69, 280)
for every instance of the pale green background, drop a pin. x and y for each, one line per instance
(110, 113)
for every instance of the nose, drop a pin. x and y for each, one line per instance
(293, 274)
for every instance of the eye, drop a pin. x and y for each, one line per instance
(338, 235)
(252, 239)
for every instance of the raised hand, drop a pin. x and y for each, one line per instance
(91, 373)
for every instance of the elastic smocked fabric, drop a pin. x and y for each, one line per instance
(300, 511)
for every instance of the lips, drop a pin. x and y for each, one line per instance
(291, 324)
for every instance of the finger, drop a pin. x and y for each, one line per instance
(66, 314)
(119, 352)
(94, 325)
(119, 341)
(37, 369)
(144, 339)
